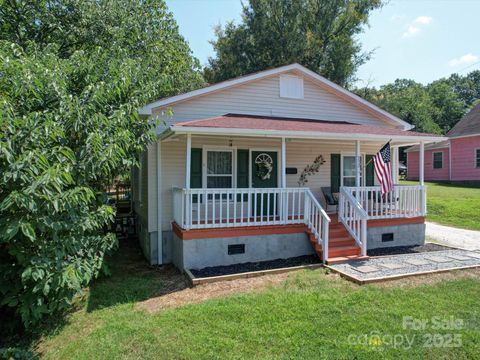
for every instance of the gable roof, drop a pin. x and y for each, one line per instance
(239, 124)
(320, 80)
(468, 125)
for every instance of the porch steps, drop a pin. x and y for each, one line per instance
(341, 246)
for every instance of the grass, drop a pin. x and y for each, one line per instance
(453, 205)
(311, 315)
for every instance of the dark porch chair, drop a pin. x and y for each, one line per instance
(330, 199)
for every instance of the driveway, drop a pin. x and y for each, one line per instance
(465, 239)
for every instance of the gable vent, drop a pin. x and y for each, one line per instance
(291, 87)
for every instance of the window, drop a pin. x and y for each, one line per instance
(291, 87)
(477, 158)
(349, 172)
(438, 160)
(219, 169)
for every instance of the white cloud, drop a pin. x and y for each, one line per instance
(416, 25)
(423, 20)
(463, 60)
(412, 30)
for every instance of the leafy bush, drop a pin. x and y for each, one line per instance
(72, 76)
(16, 354)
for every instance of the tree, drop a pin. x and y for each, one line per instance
(409, 101)
(435, 107)
(448, 104)
(319, 34)
(72, 76)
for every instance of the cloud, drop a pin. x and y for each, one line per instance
(416, 25)
(463, 60)
(423, 20)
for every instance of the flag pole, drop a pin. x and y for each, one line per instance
(369, 161)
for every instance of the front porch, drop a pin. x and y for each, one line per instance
(243, 191)
(228, 213)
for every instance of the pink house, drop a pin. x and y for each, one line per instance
(457, 159)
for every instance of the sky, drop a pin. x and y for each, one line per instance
(423, 40)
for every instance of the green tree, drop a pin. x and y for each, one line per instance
(448, 105)
(320, 34)
(408, 100)
(72, 76)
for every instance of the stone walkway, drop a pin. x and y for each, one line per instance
(465, 239)
(385, 267)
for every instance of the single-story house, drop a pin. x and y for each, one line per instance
(223, 182)
(455, 159)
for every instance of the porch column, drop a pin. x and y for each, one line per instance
(284, 164)
(421, 162)
(159, 204)
(395, 165)
(188, 161)
(357, 163)
(283, 180)
(421, 179)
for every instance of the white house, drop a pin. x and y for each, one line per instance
(220, 184)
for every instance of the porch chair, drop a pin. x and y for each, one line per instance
(330, 199)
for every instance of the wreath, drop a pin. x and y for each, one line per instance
(264, 164)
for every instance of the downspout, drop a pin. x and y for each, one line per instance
(159, 204)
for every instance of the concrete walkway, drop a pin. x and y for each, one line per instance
(465, 239)
(396, 266)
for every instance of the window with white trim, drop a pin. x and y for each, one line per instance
(438, 160)
(291, 86)
(219, 169)
(349, 171)
(477, 158)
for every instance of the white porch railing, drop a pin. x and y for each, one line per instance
(354, 217)
(359, 204)
(215, 208)
(405, 201)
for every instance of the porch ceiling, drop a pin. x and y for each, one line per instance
(268, 126)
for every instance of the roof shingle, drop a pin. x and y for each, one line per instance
(468, 125)
(237, 121)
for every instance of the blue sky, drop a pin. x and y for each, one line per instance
(422, 40)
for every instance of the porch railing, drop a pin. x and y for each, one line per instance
(215, 208)
(359, 204)
(405, 201)
(354, 217)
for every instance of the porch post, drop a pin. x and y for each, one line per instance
(357, 163)
(188, 161)
(422, 179)
(283, 184)
(284, 164)
(159, 204)
(395, 165)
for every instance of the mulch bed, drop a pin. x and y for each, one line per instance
(397, 250)
(256, 266)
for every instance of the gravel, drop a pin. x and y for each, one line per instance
(397, 250)
(434, 260)
(256, 266)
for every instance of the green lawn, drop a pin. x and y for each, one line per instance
(453, 205)
(311, 315)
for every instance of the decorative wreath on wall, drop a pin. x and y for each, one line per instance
(264, 165)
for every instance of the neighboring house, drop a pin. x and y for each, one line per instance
(456, 159)
(220, 185)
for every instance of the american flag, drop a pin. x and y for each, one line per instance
(383, 168)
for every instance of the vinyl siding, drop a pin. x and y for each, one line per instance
(463, 158)
(299, 154)
(430, 173)
(262, 97)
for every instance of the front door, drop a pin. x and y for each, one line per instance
(264, 175)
